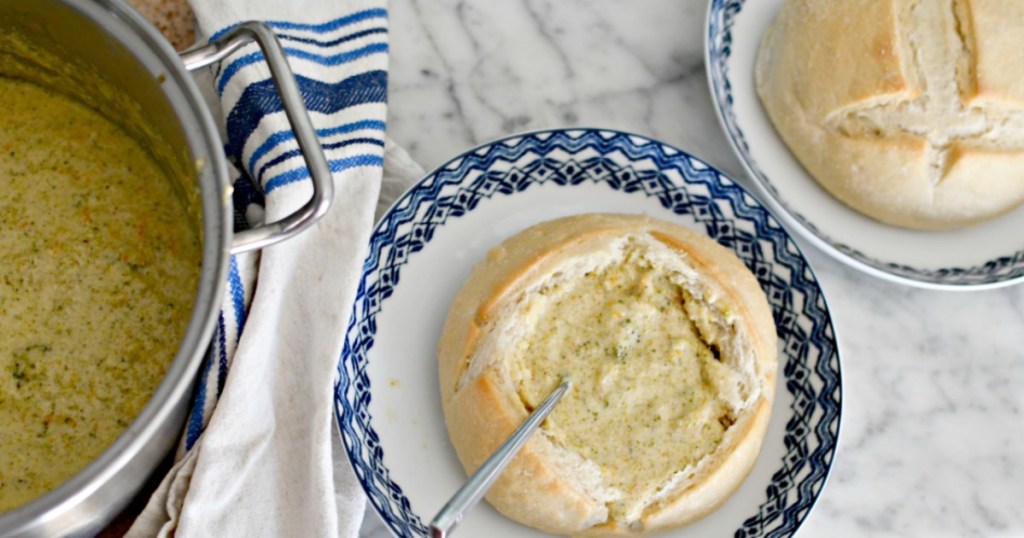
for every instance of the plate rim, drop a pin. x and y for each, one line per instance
(830, 455)
(798, 223)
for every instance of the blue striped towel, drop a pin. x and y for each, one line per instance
(257, 456)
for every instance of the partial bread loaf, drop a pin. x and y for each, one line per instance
(910, 111)
(173, 18)
(671, 347)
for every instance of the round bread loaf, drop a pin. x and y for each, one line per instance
(671, 348)
(909, 111)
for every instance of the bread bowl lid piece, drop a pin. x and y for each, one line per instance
(387, 400)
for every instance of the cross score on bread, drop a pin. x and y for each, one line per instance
(941, 64)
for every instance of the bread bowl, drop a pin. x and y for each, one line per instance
(910, 112)
(639, 444)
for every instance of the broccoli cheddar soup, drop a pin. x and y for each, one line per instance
(99, 267)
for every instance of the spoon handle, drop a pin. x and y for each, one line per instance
(478, 484)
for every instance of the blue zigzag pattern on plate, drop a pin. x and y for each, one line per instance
(720, 24)
(682, 184)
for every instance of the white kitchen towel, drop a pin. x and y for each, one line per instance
(259, 456)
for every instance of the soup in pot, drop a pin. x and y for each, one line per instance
(99, 267)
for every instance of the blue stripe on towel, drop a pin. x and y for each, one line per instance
(237, 291)
(280, 137)
(330, 61)
(222, 359)
(337, 165)
(333, 42)
(260, 99)
(328, 26)
(237, 295)
(296, 152)
(195, 419)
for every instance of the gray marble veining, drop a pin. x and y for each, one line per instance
(932, 440)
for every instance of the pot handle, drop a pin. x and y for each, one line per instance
(295, 109)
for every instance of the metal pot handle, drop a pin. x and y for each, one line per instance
(295, 109)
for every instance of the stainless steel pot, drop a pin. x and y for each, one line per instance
(110, 39)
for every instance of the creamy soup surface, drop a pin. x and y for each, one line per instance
(98, 272)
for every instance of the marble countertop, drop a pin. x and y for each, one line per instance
(932, 440)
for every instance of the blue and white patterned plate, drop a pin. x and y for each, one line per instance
(983, 256)
(386, 395)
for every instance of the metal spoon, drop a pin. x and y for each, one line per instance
(478, 484)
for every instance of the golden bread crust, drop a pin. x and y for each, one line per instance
(909, 112)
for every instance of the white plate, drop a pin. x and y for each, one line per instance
(386, 396)
(983, 256)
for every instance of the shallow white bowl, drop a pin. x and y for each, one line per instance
(387, 399)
